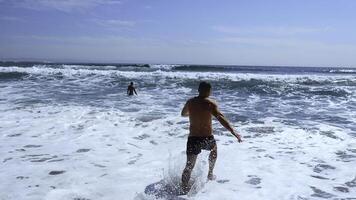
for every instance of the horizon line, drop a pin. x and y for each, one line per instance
(54, 61)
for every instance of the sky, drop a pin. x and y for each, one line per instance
(236, 32)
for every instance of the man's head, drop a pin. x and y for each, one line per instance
(204, 89)
(131, 83)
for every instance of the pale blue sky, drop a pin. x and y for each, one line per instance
(242, 32)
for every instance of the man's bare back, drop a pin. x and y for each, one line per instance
(200, 115)
(200, 110)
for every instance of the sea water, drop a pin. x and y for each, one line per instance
(70, 132)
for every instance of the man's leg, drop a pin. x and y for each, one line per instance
(212, 159)
(191, 158)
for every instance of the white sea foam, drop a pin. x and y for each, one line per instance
(343, 71)
(163, 66)
(40, 70)
(88, 67)
(106, 155)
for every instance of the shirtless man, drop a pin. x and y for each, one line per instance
(200, 110)
(131, 89)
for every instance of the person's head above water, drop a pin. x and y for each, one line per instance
(131, 83)
(204, 89)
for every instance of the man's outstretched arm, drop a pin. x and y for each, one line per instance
(185, 110)
(223, 121)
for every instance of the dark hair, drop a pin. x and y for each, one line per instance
(204, 87)
(131, 83)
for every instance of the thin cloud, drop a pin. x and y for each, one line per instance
(115, 23)
(63, 5)
(10, 18)
(260, 41)
(278, 30)
(85, 40)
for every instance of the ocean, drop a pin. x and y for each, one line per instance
(70, 132)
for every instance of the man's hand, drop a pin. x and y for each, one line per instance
(238, 136)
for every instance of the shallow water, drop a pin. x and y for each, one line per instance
(70, 132)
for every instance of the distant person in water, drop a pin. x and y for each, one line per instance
(131, 89)
(200, 110)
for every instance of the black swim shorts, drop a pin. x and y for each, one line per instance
(196, 144)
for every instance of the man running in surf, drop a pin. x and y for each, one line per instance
(200, 110)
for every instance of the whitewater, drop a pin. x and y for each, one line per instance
(70, 132)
